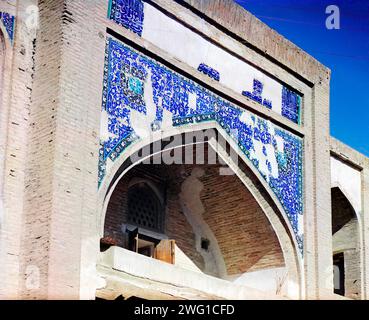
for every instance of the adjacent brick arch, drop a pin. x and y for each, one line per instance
(347, 243)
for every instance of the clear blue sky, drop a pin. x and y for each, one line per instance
(344, 51)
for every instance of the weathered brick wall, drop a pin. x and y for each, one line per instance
(365, 228)
(50, 181)
(347, 241)
(16, 103)
(2, 57)
(352, 273)
(116, 213)
(41, 137)
(244, 234)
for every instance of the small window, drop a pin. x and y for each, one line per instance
(144, 207)
(205, 244)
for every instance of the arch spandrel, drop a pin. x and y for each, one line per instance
(143, 98)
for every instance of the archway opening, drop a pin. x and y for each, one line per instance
(199, 217)
(346, 247)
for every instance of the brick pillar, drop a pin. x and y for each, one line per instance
(318, 235)
(365, 228)
(60, 239)
(15, 109)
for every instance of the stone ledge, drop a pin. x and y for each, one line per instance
(120, 265)
(348, 154)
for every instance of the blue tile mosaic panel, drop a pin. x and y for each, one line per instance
(130, 14)
(257, 93)
(137, 85)
(127, 13)
(9, 23)
(212, 73)
(291, 105)
(291, 101)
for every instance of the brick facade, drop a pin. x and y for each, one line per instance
(51, 210)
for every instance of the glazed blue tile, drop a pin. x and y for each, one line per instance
(257, 93)
(212, 73)
(127, 75)
(267, 103)
(291, 104)
(130, 14)
(127, 13)
(9, 23)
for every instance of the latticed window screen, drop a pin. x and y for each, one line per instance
(144, 207)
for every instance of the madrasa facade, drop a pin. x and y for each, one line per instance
(165, 149)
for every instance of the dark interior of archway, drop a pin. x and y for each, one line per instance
(246, 239)
(342, 210)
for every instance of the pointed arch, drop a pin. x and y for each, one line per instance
(347, 243)
(244, 170)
